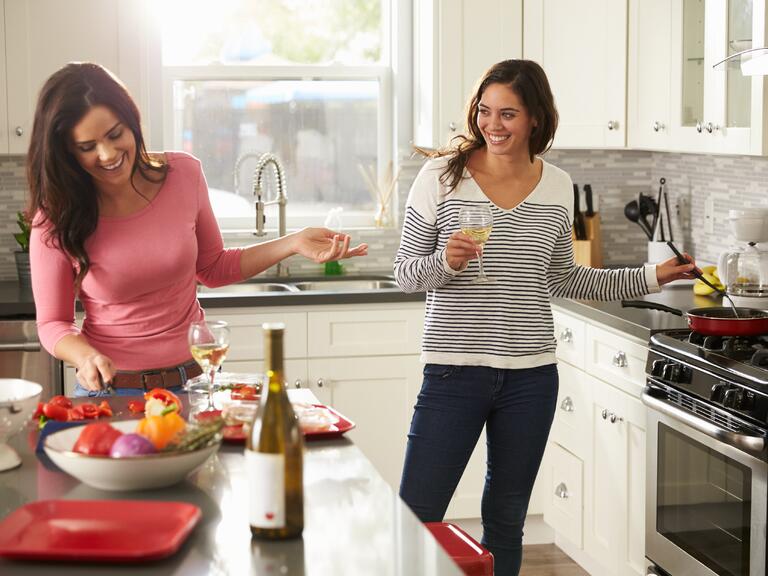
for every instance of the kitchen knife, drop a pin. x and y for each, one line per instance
(590, 207)
(579, 227)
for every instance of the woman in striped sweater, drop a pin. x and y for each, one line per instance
(489, 349)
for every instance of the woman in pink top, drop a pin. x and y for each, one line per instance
(130, 233)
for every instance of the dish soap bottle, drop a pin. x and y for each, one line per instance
(333, 221)
(274, 453)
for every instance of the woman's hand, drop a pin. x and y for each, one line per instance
(460, 249)
(323, 245)
(671, 269)
(94, 370)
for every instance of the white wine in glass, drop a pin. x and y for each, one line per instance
(209, 344)
(476, 221)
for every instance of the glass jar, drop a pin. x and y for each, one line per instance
(744, 271)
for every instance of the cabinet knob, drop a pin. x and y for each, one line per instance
(567, 404)
(562, 491)
(452, 126)
(320, 382)
(620, 359)
(657, 126)
(566, 335)
(613, 418)
(613, 125)
(604, 413)
(709, 127)
(297, 384)
(19, 131)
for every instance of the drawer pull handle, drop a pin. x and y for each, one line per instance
(567, 404)
(562, 491)
(566, 335)
(620, 359)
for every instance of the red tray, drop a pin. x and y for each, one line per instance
(96, 530)
(235, 434)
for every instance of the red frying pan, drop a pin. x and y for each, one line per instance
(714, 321)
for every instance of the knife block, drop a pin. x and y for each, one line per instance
(589, 252)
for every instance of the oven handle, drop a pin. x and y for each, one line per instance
(20, 347)
(744, 442)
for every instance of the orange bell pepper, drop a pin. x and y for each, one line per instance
(161, 430)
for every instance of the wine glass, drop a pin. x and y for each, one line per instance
(476, 221)
(209, 343)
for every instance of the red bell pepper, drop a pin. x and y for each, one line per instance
(136, 406)
(160, 401)
(96, 439)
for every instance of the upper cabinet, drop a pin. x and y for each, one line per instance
(40, 36)
(454, 44)
(681, 103)
(582, 47)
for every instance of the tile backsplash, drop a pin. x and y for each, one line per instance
(616, 176)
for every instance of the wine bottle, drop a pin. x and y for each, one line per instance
(274, 452)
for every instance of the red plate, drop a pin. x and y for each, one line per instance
(235, 433)
(96, 530)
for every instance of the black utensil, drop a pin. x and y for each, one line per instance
(666, 209)
(632, 212)
(656, 219)
(700, 275)
(579, 227)
(590, 206)
(648, 208)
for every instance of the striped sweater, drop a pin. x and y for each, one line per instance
(508, 323)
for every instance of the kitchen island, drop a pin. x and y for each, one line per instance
(354, 522)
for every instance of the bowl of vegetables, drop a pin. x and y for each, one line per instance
(159, 450)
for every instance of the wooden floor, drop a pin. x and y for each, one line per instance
(548, 560)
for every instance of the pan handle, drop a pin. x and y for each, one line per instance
(650, 306)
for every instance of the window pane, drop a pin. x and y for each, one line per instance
(270, 32)
(322, 130)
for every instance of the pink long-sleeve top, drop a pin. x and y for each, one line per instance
(139, 294)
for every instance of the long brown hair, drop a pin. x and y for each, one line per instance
(529, 82)
(60, 190)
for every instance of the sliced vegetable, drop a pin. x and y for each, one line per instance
(197, 436)
(136, 406)
(55, 412)
(244, 392)
(161, 430)
(131, 445)
(105, 410)
(60, 401)
(158, 399)
(96, 439)
(38, 411)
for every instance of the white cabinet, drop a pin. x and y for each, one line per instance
(582, 47)
(454, 43)
(40, 36)
(676, 100)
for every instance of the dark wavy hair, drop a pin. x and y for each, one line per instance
(529, 82)
(60, 190)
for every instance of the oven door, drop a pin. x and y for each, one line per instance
(706, 499)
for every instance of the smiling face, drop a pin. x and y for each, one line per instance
(504, 121)
(105, 148)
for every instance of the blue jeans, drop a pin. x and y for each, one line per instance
(81, 392)
(517, 408)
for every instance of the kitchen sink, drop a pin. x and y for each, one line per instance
(346, 285)
(247, 288)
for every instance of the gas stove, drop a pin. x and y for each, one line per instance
(728, 374)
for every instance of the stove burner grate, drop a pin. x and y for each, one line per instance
(751, 350)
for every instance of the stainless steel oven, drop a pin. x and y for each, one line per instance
(707, 466)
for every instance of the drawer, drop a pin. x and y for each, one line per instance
(571, 425)
(570, 333)
(565, 506)
(246, 334)
(364, 333)
(616, 359)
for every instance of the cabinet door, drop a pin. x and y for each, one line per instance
(649, 74)
(377, 393)
(454, 43)
(43, 35)
(615, 509)
(582, 47)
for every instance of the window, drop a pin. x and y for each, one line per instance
(308, 80)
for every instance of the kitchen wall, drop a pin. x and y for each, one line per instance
(617, 176)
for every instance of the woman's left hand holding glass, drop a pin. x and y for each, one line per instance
(324, 245)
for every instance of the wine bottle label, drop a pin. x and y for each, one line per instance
(266, 489)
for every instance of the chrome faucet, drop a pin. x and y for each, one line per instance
(281, 200)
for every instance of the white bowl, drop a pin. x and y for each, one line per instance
(136, 473)
(18, 400)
